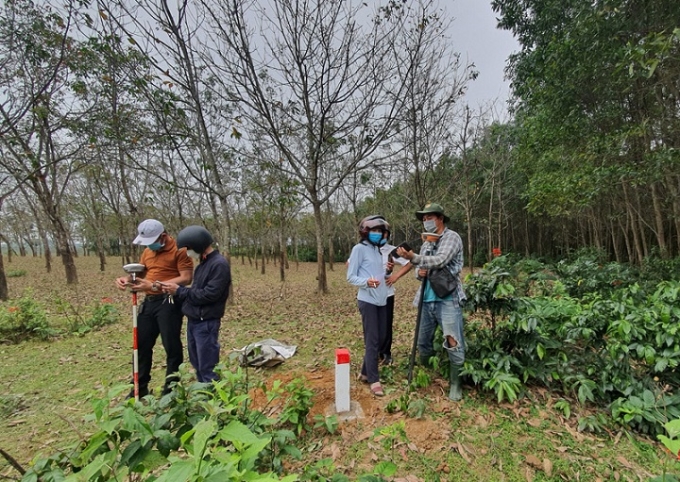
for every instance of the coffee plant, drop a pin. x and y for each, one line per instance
(599, 334)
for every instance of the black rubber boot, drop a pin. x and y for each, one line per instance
(456, 391)
(425, 361)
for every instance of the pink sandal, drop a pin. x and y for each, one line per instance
(376, 389)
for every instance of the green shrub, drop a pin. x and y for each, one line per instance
(104, 313)
(24, 318)
(79, 322)
(16, 273)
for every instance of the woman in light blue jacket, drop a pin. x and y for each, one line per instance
(366, 271)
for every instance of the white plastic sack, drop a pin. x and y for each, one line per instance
(265, 353)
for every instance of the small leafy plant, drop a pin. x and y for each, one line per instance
(24, 318)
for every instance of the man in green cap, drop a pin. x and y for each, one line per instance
(442, 248)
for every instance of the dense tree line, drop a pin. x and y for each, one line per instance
(280, 125)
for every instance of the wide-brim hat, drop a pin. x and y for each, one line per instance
(148, 231)
(432, 208)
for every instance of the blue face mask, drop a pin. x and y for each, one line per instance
(374, 238)
(155, 246)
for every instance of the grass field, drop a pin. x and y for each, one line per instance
(46, 386)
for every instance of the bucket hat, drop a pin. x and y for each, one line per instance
(432, 208)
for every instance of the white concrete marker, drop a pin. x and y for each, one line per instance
(342, 380)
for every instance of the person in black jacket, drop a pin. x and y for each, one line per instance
(204, 301)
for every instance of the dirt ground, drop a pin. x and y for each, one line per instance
(423, 434)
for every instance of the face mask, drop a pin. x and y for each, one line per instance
(193, 254)
(155, 246)
(374, 238)
(430, 226)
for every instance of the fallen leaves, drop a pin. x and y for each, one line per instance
(545, 465)
(463, 451)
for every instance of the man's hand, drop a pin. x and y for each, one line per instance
(402, 253)
(422, 273)
(169, 288)
(122, 283)
(142, 284)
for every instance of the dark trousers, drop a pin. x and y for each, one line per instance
(374, 320)
(157, 316)
(386, 347)
(204, 347)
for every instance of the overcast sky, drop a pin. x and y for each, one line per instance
(475, 36)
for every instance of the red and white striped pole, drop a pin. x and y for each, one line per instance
(135, 356)
(342, 402)
(132, 269)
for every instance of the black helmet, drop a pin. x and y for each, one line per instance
(372, 222)
(196, 238)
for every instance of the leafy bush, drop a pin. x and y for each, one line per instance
(16, 273)
(81, 320)
(104, 313)
(614, 348)
(197, 433)
(24, 318)
(588, 274)
(200, 432)
(490, 290)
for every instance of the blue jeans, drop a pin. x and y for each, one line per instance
(204, 347)
(449, 317)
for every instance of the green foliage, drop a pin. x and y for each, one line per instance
(297, 406)
(391, 435)
(672, 444)
(615, 348)
(490, 290)
(322, 471)
(101, 314)
(587, 273)
(16, 273)
(24, 318)
(27, 318)
(330, 423)
(408, 405)
(200, 432)
(421, 378)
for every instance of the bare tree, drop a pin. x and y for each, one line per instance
(316, 77)
(36, 146)
(434, 79)
(180, 97)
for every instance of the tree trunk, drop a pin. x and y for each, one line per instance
(4, 290)
(282, 255)
(322, 284)
(67, 257)
(639, 255)
(675, 203)
(658, 219)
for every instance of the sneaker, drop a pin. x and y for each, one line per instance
(376, 389)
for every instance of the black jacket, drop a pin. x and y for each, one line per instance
(207, 296)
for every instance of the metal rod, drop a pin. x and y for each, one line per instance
(412, 360)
